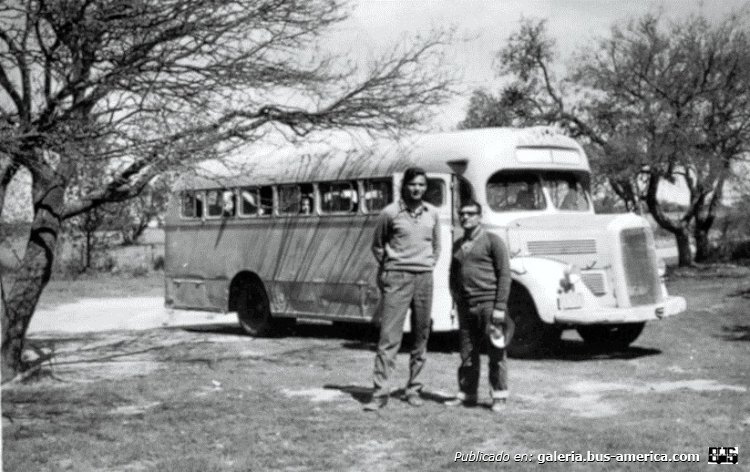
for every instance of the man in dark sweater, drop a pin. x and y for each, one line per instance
(406, 244)
(480, 284)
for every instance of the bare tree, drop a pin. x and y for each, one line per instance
(148, 85)
(656, 102)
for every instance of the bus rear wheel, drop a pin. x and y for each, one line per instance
(532, 335)
(253, 310)
(611, 336)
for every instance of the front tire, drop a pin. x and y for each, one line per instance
(532, 335)
(253, 310)
(612, 336)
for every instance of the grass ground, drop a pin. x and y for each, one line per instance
(214, 399)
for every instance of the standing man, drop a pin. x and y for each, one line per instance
(480, 284)
(406, 245)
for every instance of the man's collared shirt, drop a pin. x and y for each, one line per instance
(407, 239)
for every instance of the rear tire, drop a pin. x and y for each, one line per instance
(532, 335)
(612, 336)
(253, 310)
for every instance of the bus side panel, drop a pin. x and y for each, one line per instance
(323, 267)
(311, 265)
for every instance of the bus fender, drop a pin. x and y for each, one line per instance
(543, 278)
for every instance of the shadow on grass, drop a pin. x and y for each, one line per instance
(735, 333)
(354, 336)
(363, 394)
(578, 351)
(364, 337)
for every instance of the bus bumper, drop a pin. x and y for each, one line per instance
(670, 306)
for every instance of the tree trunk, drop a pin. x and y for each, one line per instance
(87, 260)
(678, 228)
(684, 253)
(32, 276)
(702, 244)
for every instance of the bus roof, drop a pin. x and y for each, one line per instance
(473, 151)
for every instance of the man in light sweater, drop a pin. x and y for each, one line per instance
(406, 245)
(480, 284)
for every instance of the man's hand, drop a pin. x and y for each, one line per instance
(498, 317)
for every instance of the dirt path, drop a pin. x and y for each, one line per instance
(109, 314)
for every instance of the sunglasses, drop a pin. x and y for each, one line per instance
(468, 213)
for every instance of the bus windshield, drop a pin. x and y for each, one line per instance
(530, 190)
(515, 191)
(567, 190)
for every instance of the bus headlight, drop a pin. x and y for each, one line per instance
(571, 276)
(661, 268)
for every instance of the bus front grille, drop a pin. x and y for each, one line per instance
(571, 246)
(594, 281)
(639, 262)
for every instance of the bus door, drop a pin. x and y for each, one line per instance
(461, 192)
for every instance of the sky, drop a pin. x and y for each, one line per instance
(375, 24)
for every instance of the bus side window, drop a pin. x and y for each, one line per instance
(249, 202)
(215, 203)
(192, 204)
(378, 194)
(435, 193)
(221, 203)
(188, 205)
(338, 197)
(292, 196)
(289, 199)
(199, 204)
(266, 201)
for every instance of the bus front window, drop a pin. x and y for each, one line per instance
(515, 191)
(567, 190)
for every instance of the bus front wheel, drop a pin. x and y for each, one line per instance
(253, 310)
(532, 335)
(614, 336)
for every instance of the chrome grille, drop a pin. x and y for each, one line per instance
(595, 282)
(570, 246)
(639, 262)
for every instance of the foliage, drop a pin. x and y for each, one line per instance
(655, 101)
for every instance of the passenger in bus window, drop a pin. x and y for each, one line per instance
(406, 245)
(480, 285)
(525, 199)
(570, 202)
(228, 209)
(305, 206)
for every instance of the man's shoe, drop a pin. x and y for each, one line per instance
(376, 403)
(498, 405)
(459, 401)
(414, 400)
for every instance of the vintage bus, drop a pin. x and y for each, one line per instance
(292, 238)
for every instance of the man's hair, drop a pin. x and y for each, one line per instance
(471, 203)
(412, 172)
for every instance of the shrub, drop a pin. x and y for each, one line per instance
(105, 264)
(158, 263)
(140, 271)
(741, 250)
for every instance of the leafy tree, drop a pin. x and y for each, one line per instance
(145, 86)
(140, 211)
(656, 102)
